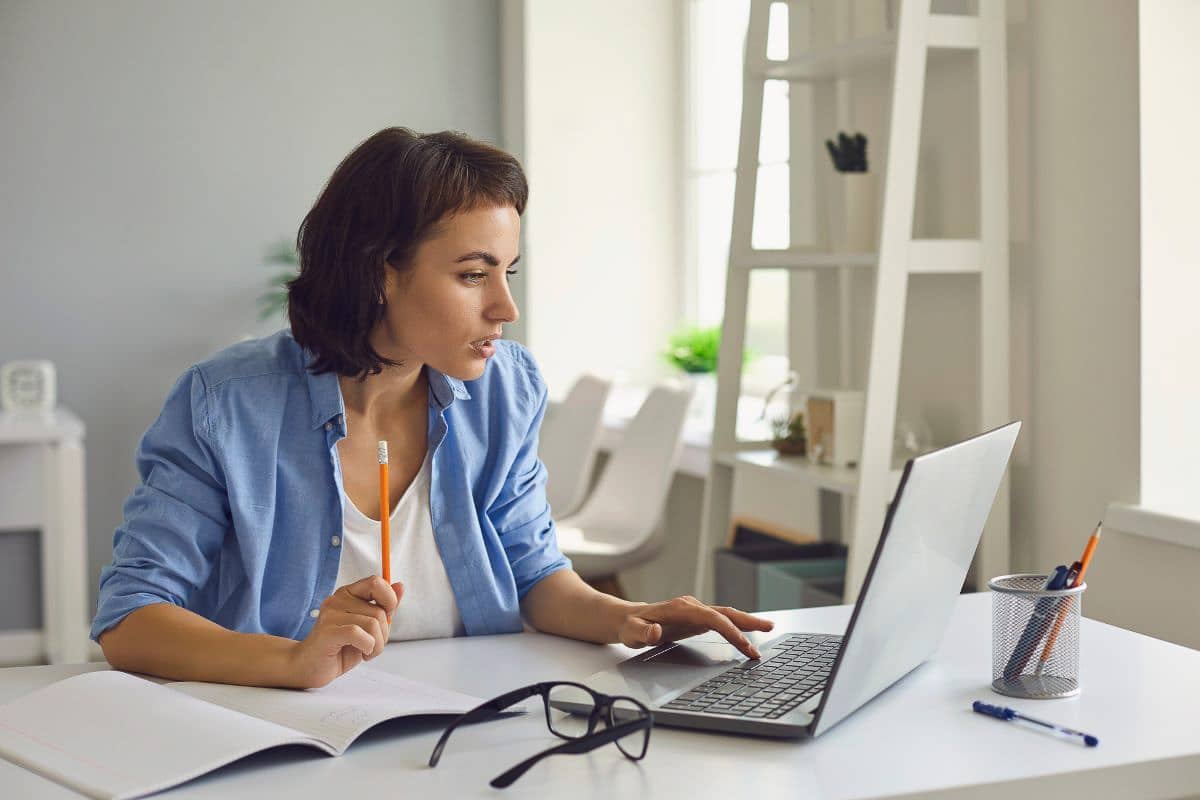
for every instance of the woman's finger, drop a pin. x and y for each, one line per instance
(747, 622)
(354, 604)
(724, 626)
(638, 632)
(352, 644)
(685, 612)
(370, 623)
(371, 588)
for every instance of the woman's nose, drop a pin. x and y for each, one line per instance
(504, 309)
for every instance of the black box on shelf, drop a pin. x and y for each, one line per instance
(772, 576)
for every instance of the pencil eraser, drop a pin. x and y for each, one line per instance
(383, 452)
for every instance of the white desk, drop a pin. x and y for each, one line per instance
(920, 738)
(42, 488)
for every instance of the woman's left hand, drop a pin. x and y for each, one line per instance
(671, 620)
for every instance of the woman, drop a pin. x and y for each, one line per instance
(249, 553)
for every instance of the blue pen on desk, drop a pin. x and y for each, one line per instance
(1009, 715)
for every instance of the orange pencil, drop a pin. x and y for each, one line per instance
(385, 507)
(1088, 552)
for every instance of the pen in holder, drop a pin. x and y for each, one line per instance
(1035, 637)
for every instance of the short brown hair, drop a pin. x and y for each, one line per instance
(380, 204)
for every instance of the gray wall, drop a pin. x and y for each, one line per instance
(150, 152)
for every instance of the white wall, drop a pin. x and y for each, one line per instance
(149, 153)
(602, 132)
(1084, 427)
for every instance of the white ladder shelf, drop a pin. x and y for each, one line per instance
(868, 488)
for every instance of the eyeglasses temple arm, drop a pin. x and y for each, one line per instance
(577, 746)
(482, 712)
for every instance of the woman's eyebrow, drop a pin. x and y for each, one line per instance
(484, 256)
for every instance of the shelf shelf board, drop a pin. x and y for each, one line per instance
(837, 61)
(797, 258)
(819, 476)
(843, 60)
(822, 476)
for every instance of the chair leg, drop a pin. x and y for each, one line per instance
(609, 584)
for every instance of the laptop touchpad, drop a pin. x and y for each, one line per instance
(698, 654)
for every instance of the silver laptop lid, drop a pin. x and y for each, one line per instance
(927, 543)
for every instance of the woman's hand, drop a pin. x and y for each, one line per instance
(671, 620)
(349, 630)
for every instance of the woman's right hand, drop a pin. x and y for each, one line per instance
(349, 630)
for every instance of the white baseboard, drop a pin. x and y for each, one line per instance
(22, 647)
(28, 647)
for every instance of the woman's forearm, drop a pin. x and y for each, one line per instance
(171, 642)
(563, 604)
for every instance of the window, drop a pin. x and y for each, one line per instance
(715, 38)
(1169, 506)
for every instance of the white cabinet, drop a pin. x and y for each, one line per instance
(42, 488)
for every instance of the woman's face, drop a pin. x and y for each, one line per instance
(445, 309)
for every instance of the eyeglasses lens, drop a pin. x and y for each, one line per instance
(632, 744)
(572, 725)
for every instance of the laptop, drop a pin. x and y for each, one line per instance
(805, 683)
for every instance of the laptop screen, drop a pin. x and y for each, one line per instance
(928, 540)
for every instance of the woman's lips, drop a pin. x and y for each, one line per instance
(484, 348)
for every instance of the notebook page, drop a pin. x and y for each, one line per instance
(110, 734)
(340, 712)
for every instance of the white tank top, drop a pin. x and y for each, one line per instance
(427, 608)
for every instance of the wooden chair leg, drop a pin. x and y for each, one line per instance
(609, 585)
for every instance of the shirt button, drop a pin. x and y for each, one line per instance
(335, 540)
(316, 612)
(328, 426)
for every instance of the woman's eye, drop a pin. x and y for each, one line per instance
(473, 277)
(511, 272)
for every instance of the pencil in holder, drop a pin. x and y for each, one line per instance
(1035, 637)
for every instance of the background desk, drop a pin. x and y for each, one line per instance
(1140, 696)
(42, 488)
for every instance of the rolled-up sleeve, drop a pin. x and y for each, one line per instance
(175, 521)
(521, 512)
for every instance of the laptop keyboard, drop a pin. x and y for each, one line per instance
(797, 669)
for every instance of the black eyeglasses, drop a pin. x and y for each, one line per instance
(627, 722)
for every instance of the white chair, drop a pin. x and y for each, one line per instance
(568, 442)
(618, 527)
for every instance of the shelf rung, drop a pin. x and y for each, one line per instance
(799, 258)
(944, 255)
(953, 31)
(946, 31)
(823, 63)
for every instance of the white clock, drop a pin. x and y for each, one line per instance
(27, 386)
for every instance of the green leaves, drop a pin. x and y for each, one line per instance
(274, 300)
(694, 349)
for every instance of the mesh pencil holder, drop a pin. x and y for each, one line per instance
(1035, 637)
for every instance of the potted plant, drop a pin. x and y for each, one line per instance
(283, 257)
(693, 350)
(790, 436)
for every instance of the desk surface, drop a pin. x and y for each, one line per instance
(919, 738)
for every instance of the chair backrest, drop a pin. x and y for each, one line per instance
(632, 492)
(568, 441)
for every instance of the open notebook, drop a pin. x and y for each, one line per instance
(174, 732)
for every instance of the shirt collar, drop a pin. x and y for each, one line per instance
(325, 393)
(446, 389)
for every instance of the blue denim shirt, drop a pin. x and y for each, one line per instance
(239, 514)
